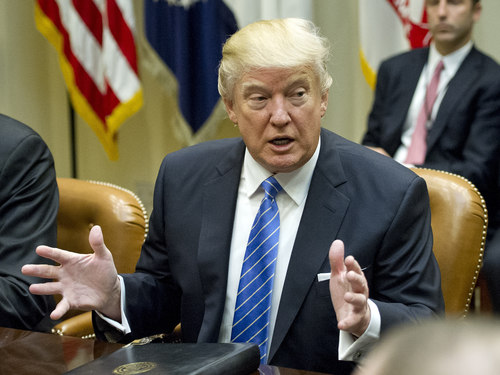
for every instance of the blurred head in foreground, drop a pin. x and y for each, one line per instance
(458, 347)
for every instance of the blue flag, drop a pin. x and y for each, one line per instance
(188, 36)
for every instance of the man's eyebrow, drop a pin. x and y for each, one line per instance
(301, 81)
(253, 86)
(249, 86)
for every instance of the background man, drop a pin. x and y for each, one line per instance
(460, 130)
(322, 311)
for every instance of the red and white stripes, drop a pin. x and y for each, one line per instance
(95, 41)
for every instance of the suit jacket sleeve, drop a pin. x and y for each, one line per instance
(29, 203)
(395, 243)
(407, 282)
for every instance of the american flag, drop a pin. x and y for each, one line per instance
(97, 55)
(388, 27)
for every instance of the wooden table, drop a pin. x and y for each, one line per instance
(26, 352)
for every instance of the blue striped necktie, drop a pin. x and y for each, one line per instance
(253, 303)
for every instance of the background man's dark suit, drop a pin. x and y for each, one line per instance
(29, 201)
(377, 207)
(465, 136)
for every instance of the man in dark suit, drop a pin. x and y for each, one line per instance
(325, 309)
(29, 202)
(463, 127)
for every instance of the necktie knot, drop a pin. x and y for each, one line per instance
(271, 187)
(434, 83)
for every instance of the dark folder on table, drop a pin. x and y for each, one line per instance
(173, 359)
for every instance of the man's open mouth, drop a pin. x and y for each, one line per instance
(281, 141)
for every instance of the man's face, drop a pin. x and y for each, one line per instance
(278, 112)
(451, 22)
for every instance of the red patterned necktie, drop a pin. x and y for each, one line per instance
(418, 146)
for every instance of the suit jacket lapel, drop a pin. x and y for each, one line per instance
(457, 89)
(219, 202)
(410, 74)
(326, 205)
(401, 91)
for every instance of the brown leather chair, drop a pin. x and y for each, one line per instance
(123, 220)
(459, 221)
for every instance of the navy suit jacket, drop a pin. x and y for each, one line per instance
(377, 207)
(29, 201)
(465, 136)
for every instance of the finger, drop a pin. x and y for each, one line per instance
(55, 254)
(358, 282)
(356, 300)
(96, 240)
(61, 309)
(40, 270)
(355, 278)
(347, 323)
(336, 256)
(352, 264)
(48, 288)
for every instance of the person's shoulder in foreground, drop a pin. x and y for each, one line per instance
(29, 202)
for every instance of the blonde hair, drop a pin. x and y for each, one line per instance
(279, 43)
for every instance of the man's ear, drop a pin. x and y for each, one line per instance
(324, 103)
(477, 11)
(230, 112)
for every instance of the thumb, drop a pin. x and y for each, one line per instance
(96, 240)
(61, 309)
(336, 256)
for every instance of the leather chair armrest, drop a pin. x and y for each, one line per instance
(79, 326)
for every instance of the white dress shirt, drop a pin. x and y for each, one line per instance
(451, 63)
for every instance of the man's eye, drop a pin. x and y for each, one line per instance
(258, 98)
(299, 96)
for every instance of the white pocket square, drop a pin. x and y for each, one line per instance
(323, 276)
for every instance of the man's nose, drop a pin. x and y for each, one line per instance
(279, 112)
(442, 9)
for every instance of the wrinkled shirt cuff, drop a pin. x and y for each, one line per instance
(352, 349)
(123, 326)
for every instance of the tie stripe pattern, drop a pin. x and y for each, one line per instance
(253, 303)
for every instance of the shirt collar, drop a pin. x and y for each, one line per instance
(295, 184)
(451, 61)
